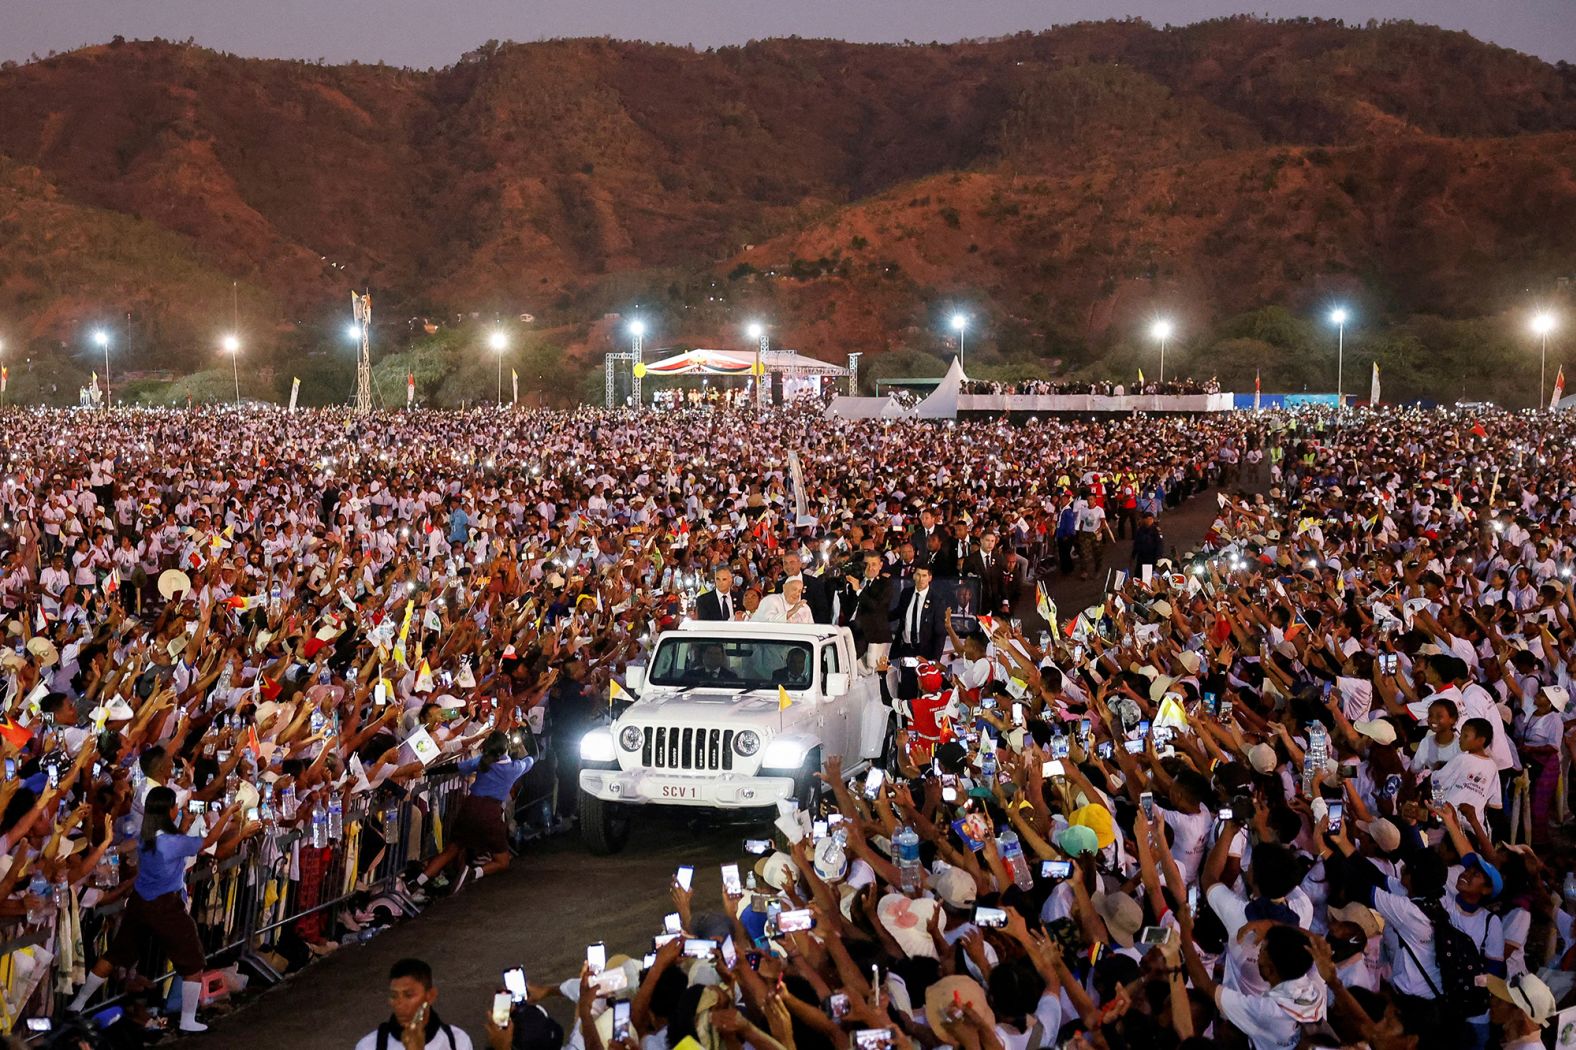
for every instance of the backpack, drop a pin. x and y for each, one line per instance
(1460, 963)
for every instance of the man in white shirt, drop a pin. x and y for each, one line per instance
(411, 998)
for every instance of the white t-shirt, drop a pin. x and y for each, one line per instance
(439, 1041)
(1468, 779)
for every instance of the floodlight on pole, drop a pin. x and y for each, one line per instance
(231, 344)
(637, 334)
(1162, 331)
(101, 338)
(757, 333)
(1338, 317)
(960, 323)
(1543, 324)
(353, 333)
(499, 342)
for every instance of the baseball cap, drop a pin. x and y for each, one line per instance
(1078, 839)
(1384, 833)
(1495, 879)
(955, 887)
(1262, 758)
(1378, 730)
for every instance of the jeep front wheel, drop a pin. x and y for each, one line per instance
(604, 826)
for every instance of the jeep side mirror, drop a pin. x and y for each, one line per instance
(634, 677)
(837, 684)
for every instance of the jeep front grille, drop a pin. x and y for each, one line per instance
(688, 748)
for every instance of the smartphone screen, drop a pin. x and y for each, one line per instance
(621, 1019)
(697, 948)
(1227, 813)
(1055, 869)
(1154, 935)
(1337, 811)
(1134, 747)
(837, 1006)
(502, 1003)
(514, 981)
(1054, 768)
(758, 847)
(194, 806)
(873, 1039)
(1147, 801)
(730, 954)
(989, 918)
(671, 923)
(596, 955)
(949, 794)
(1017, 713)
(873, 781)
(730, 880)
(795, 921)
(685, 877)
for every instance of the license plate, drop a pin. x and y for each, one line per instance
(679, 791)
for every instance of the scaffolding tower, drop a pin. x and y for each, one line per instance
(362, 306)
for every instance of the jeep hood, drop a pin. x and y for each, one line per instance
(757, 707)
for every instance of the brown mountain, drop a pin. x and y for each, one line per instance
(1061, 183)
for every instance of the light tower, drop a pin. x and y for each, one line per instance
(362, 306)
(101, 340)
(961, 324)
(231, 344)
(1162, 330)
(499, 342)
(1542, 325)
(757, 332)
(637, 334)
(1338, 317)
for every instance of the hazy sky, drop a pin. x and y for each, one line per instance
(434, 32)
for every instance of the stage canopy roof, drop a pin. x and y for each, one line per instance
(740, 363)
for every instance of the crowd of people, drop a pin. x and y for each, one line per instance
(1105, 387)
(1247, 796)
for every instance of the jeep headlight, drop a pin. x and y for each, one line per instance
(631, 738)
(747, 743)
(783, 754)
(597, 746)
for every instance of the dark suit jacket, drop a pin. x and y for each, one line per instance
(708, 606)
(872, 606)
(988, 569)
(932, 634)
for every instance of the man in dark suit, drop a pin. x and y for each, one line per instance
(985, 563)
(718, 604)
(919, 630)
(929, 527)
(816, 593)
(869, 595)
(954, 554)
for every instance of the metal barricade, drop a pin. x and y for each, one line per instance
(276, 890)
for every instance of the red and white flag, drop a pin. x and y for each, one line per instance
(1256, 390)
(1559, 389)
(410, 389)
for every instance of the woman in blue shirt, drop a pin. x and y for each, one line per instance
(157, 910)
(479, 830)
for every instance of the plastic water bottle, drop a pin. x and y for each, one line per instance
(910, 871)
(1318, 752)
(287, 803)
(750, 884)
(336, 818)
(988, 764)
(1569, 891)
(38, 887)
(61, 894)
(319, 827)
(111, 869)
(1012, 856)
(265, 806)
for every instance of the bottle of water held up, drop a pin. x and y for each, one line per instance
(336, 818)
(265, 806)
(1318, 752)
(287, 803)
(910, 871)
(319, 838)
(38, 889)
(1012, 856)
(111, 869)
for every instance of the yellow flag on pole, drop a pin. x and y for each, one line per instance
(784, 701)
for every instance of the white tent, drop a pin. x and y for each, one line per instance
(866, 408)
(943, 401)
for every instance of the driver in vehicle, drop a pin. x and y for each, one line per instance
(714, 667)
(795, 671)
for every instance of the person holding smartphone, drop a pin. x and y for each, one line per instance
(157, 909)
(413, 1022)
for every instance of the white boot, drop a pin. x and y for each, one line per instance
(95, 982)
(191, 994)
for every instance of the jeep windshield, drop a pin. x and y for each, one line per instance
(732, 663)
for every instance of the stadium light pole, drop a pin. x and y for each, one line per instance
(1543, 324)
(1339, 317)
(1162, 330)
(960, 322)
(637, 334)
(757, 333)
(499, 341)
(101, 339)
(231, 345)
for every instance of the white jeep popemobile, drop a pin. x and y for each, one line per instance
(708, 728)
